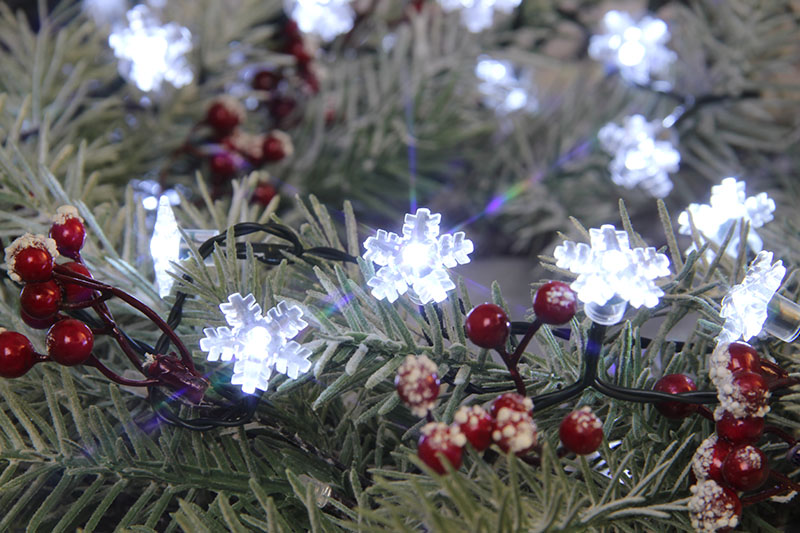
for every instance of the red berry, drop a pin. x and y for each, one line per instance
(70, 342)
(476, 425)
(514, 431)
(555, 303)
(16, 354)
(40, 300)
(282, 108)
(34, 264)
(38, 323)
(740, 430)
(224, 116)
(417, 384)
(751, 391)
(513, 401)
(581, 431)
(714, 507)
(265, 80)
(745, 468)
(73, 292)
(743, 357)
(709, 457)
(292, 31)
(264, 193)
(487, 326)
(223, 165)
(273, 149)
(438, 438)
(299, 51)
(675, 384)
(68, 231)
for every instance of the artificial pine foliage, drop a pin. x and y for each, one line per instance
(399, 116)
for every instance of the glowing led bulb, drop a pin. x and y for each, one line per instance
(502, 90)
(165, 245)
(417, 260)
(257, 344)
(325, 18)
(478, 15)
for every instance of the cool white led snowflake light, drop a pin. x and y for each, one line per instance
(502, 90)
(417, 259)
(637, 49)
(727, 206)
(164, 245)
(611, 274)
(150, 53)
(477, 15)
(639, 159)
(257, 344)
(325, 18)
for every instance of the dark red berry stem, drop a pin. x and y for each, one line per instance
(113, 376)
(783, 435)
(706, 413)
(520, 349)
(763, 495)
(113, 330)
(71, 306)
(513, 371)
(783, 383)
(784, 481)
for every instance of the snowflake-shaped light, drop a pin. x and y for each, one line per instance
(325, 18)
(417, 259)
(727, 206)
(744, 308)
(639, 159)
(150, 53)
(477, 15)
(610, 272)
(164, 245)
(502, 90)
(637, 49)
(105, 12)
(258, 344)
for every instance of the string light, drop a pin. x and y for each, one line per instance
(325, 18)
(501, 89)
(478, 15)
(165, 245)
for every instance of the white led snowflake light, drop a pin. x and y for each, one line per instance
(611, 273)
(502, 90)
(150, 53)
(417, 259)
(637, 49)
(105, 12)
(477, 15)
(727, 206)
(639, 159)
(165, 245)
(325, 18)
(257, 344)
(744, 308)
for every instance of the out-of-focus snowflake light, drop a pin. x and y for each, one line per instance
(727, 206)
(325, 18)
(417, 260)
(744, 308)
(637, 49)
(164, 245)
(502, 90)
(611, 273)
(477, 15)
(639, 159)
(258, 344)
(150, 53)
(105, 12)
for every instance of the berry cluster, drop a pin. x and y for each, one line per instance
(51, 289)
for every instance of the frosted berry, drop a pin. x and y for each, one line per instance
(739, 430)
(709, 457)
(40, 300)
(751, 391)
(69, 342)
(73, 292)
(555, 303)
(513, 401)
(273, 149)
(30, 258)
(713, 507)
(222, 164)
(675, 384)
(417, 384)
(476, 425)
(487, 326)
(514, 431)
(68, 231)
(282, 107)
(266, 80)
(264, 193)
(16, 354)
(581, 431)
(438, 438)
(224, 115)
(745, 468)
(743, 357)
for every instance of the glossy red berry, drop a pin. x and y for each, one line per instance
(743, 430)
(69, 342)
(439, 441)
(38, 323)
(745, 468)
(675, 384)
(73, 292)
(266, 80)
(510, 400)
(33, 264)
(264, 193)
(714, 507)
(417, 384)
(514, 431)
(40, 300)
(68, 231)
(476, 425)
(16, 354)
(224, 116)
(581, 431)
(555, 303)
(709, 458)
(487, 326)
(743, 357)
(751, 389)
(273, 149)
(223, 165)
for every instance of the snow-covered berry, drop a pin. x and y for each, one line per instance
(224, 114)
(30, 258)
(68, 231)
(745, 468)
(744, 394)
(581, 431)
(276, 146)
(709, 457)
(417, 383)
(743, 357)
(440, 440)
(513, 401)
(476, 425)
(514, 431)
(555, 303)
(713, 508)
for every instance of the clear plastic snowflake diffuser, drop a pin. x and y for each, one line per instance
(417, 260)
(257, 344)
(478, 15)
(325, 18)
(611, 274)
